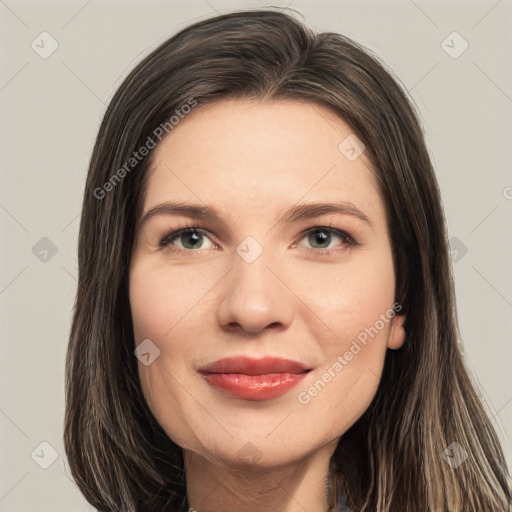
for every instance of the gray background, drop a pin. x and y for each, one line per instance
(51, 109)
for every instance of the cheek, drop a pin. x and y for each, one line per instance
(160, 300)
(162, 306)
(355, 305)
(146, 303)
(159, 306)
(351, 299)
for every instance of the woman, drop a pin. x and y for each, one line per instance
(265, 314)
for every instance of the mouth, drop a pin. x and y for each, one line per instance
(254, 379)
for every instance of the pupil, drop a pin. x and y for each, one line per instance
(192, 235)
(320, 237)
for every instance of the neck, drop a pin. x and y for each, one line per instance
(295, 487)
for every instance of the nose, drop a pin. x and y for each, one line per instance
(255, 298)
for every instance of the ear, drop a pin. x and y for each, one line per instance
(396, 336)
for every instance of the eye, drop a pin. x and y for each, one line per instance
(194, 240)
(320, 238)
(191, 239)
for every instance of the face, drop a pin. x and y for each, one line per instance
(301, 296)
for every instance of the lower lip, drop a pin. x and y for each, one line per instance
(254, 387)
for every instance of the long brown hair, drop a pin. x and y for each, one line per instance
(391, 459)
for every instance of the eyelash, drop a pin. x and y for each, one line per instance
(348, 241)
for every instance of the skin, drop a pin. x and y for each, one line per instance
(299, 299)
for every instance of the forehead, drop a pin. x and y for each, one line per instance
(245, 155)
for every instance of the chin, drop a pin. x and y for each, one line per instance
(256, 449)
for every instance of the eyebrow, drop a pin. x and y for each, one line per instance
(295, 213)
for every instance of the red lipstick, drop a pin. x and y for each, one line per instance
(254, 379)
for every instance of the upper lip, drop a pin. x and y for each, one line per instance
(255, 366)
